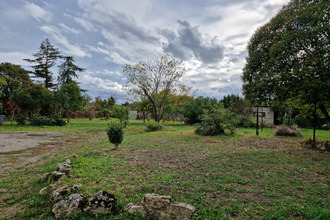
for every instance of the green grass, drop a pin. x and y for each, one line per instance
(225, 177)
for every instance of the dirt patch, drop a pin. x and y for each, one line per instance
(19, 148)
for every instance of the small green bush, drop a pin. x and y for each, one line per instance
(154, 126)
(20, 119)
(41, 120)
(115, 133)
(215, 122)
(285, 130)
(59, 122)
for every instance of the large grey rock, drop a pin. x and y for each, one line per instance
(132, 207)
(63, 168)
(48, 189)
(72, 205)
(160, 207)
(180, 211)
(64, 190)
(53, 176)
(101, 203)
(155, 206)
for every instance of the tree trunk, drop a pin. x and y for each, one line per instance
(116, 146)
(257, 131)
(314, 124)
(325, 112)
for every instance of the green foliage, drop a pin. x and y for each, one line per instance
(46, 121)
(154, 126)
(41, 120)
(34, 99)
(69, 99)
(67, 71)
(194, 109)
(115, 133)
(216, 121)
(20, 119)
(122, 113)
(289, 56)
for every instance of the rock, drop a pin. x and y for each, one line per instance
(69, 206)
(180, 211)
(60, 192)
(63, 167)
(132, 207)
(101, 203)
(155, 206)
(160, 207)
(53, 176)
(48, 189)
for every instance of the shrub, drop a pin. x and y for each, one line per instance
(244, 121)
(122, 113)
(20, 119)
(40, 120)
(115, 133)
(215, 122)
(91, 116)
(154, 126)
(285, 130)
(59, 122)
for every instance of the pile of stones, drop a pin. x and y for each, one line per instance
(153, 206)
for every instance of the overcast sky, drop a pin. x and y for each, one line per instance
(210, 36)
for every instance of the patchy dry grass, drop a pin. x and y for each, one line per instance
(224, 177)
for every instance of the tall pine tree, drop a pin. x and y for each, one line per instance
(44, 60)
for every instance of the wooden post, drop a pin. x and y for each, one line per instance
(257, 131)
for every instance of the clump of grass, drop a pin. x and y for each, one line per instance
(285, 130)
(154, 126)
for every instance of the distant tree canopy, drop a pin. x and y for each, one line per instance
(289, 57)
(155, 80)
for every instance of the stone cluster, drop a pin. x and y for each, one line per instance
(153, 206)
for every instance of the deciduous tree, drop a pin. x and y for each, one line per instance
(155, 79)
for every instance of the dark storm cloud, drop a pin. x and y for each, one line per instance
(187, 41)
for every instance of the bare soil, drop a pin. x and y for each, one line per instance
(18, 148)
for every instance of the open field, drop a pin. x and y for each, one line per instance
(224, 177)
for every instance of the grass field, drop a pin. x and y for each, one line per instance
(224, 177)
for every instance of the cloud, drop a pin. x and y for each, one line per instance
(188, 42)
(38, 13)
(69, 29)
(15, 57)
(72, 49)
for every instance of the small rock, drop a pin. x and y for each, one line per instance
(53, 176)
(101, 203)
(63, 167)
(131, 208)
(48, 189)
(60, 192)
(70, 206)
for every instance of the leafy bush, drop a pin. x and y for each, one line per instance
(59, 122)
(20, 119)
(40, 120)
(154, 126)
(43, 120)
(194, 109)
(91, 116)
(285, 130)
(244, 121)
(215, 122)
(122, 113)
(115, 133)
